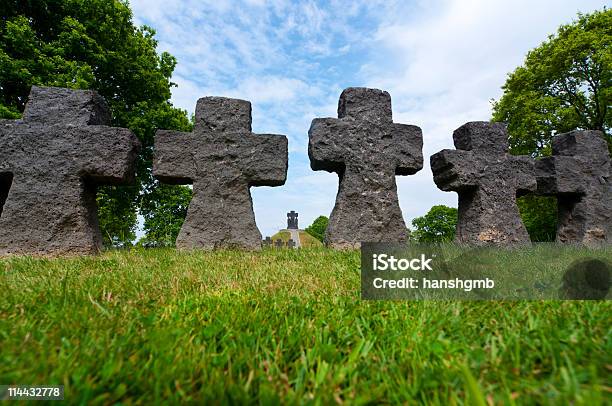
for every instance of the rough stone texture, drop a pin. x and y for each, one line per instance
(367, 150)
(292, 220)
(222, 158)
(487, 180)
(50, 164)
(579, 175)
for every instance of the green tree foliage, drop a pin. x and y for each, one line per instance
(564, 84)
(438, 225)
(156, 200)
(318, 227)
(92, 44)
(164, 211)
(539, 214)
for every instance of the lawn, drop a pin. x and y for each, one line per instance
(283, 326)
(307, 240)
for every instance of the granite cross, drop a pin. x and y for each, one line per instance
(367, 150)
(487, 180)
(579, 175)
(292, 220)
(51, 162)
(222, 158)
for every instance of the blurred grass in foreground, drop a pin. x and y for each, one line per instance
(284, 326)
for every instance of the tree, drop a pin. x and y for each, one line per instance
(318, 227)
(164, 212)
(539, 214)
(92, 44)
(438, 225)
(163, 206)
(563, 85)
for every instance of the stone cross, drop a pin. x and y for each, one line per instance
(222, 158)
(579, 175)
(367, 150)
(279, 243)
(267, 242)
(51, 162)
(291, 243)
(487, 180)
(292, 220)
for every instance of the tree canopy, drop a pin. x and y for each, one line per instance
(438, 225)
(564, 84)
(164, 212)
(318, 227)
(93, 44)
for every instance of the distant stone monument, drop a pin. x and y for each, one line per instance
(290, 243)
(279, 243)
(292, 220)
(223, 159)
(267, 242)
(367, 150)
(579, 175)
(51, 162)
(487, 180)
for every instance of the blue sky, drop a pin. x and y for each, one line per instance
(441, 61)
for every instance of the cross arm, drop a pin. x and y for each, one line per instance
(523, 169)
(454, 170)
(107, 154)
(325, 139)
(266, 160)
(559, 175)
(173, 158)
(408, 144)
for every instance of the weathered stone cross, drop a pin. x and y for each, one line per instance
(222, 158)
(487, 180)
(579, 174)
(367, 150)
(50, 164)
(292, 220)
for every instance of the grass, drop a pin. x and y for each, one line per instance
(282, 235)
(307, 240)
(283, 326)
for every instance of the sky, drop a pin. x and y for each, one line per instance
(442, 61)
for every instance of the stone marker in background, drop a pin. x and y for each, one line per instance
(579, 175)
(279, 243)
(267, 242)
(223, 159)
(50, 164)
(367, 150)
(292, 220)
(290, 243)
(487, 180)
